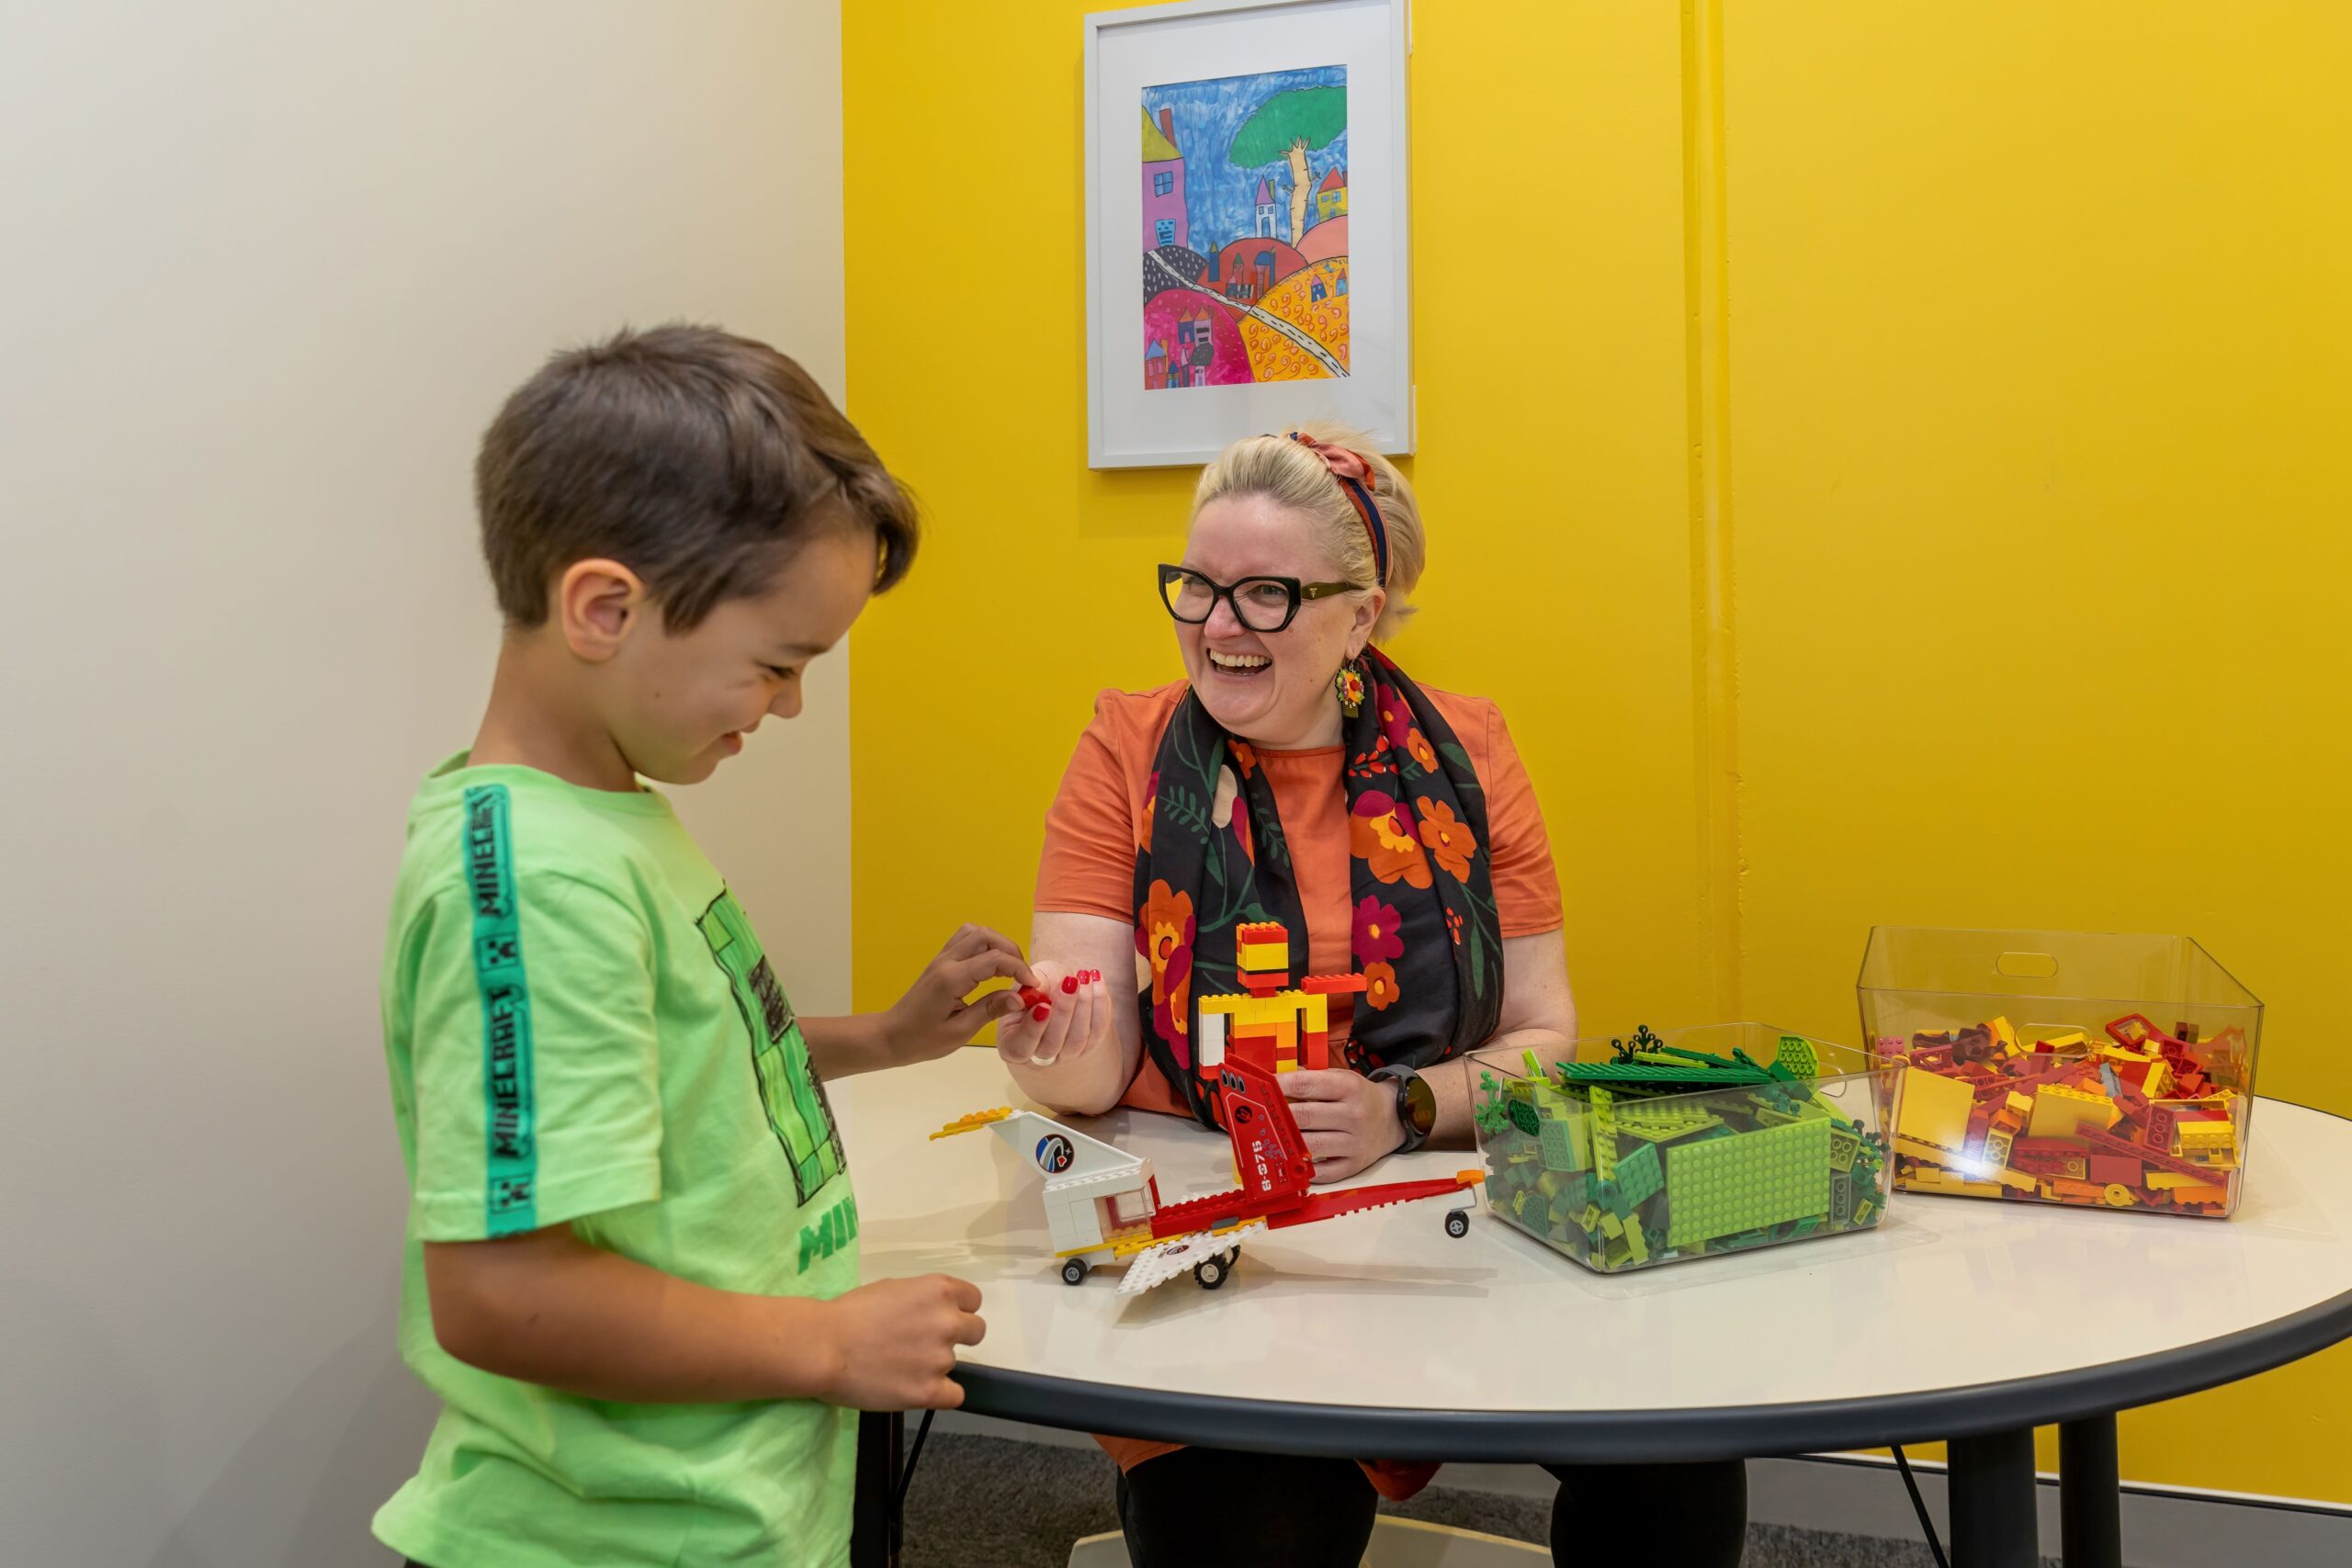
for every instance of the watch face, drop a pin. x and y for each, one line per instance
(1420, 1105)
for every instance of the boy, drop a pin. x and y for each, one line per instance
(631, 1251)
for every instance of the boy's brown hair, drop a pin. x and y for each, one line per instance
(700, 460)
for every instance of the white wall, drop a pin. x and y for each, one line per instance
(266, 271)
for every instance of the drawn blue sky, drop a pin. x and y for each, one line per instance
(1219, 199)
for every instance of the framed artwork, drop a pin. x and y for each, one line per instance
(1246, 266)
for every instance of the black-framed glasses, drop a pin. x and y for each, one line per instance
(1261, 603)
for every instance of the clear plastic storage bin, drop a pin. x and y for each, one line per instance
(2064, 1067)
(1633, 1153)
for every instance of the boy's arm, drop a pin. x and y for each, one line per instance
(546, 1307)
(932, 1018)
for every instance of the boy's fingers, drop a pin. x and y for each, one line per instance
(974, 941)
(964, 1295)
(969, 1330)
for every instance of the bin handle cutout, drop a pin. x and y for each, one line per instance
(2026, 966)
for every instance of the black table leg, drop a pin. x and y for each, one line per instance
(873, 1525)
(2090, 1500)
(1992, 1501)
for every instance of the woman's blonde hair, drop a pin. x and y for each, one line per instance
(1291, 474)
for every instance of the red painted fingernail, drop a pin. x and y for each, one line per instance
(1069, 984)
(1093, 975)
(1041, 1012)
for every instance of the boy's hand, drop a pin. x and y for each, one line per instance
(1077, 1020)
(932, 1018)
(895, 1342)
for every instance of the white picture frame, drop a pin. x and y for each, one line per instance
(1273, 321)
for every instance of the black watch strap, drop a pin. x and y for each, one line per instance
(1416, 1105)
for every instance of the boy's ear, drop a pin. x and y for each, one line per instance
(597, 605)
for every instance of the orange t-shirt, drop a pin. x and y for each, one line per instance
(1096, 825)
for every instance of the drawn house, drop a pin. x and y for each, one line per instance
(1155, 366)
(1163, 184)
(1340, 287)
(1331, 196)
(1315, 290)
(1269, 211)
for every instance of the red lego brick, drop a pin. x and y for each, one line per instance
(2109, 1168)
(1331, 985)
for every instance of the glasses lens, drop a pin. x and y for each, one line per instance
(1264, 603)
(1189, 595)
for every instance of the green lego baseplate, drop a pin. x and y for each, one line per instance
(1752, 1181)
(1664, 1153)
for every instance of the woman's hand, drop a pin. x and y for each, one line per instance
(932, 1018)
(1073, 1022)
(1350, 1120)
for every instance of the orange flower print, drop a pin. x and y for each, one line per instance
(1380, 986)
(1380, 840)
(1454, 925)
(1164, 934)
(1244, 758)
(1150, 811)
(1420, 746)
(1166, 925)
(1446, 837)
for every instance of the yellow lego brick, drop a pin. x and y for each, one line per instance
(1935, 1108)
(2203, 1137)
(2058, 1111)
(2118, 1196)
(1318, 1012)
(974, 1121)
(2004, 1036)
(2164, 1180)
(1997, 1149)
(2023, 1181)
(2021, 1102)
(1262, 955)
(2159, 1080)
(2072, 1040)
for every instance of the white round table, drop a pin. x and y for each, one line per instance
(1379, 1334)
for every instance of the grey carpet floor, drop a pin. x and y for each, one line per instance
(990, 1503)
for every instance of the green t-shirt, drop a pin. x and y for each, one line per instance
(581, 1026)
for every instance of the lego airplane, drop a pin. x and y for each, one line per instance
(1104, 1206)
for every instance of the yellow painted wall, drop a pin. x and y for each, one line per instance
(2040, 499)
(1997, 345)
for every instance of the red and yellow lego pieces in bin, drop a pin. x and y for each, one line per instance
(2132, 1121)
(1276, 1025)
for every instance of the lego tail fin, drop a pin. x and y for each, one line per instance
(1268, 1149)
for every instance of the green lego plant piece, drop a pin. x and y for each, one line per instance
(1638, 1175)
(1797, 1054)
(1722, 1186)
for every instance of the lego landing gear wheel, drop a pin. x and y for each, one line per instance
(1457, 1223)
(1211, 1271)
(1073, 1270)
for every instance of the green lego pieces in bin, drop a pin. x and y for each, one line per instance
(1566, 1146)
(1843, 1145)
(1752, 1180)
(1805, 1226)
(1638, 1175)
(1841, 1200)
(1662, 1120)
(1524, 1117)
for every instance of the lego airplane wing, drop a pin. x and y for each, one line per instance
(1157, 1265)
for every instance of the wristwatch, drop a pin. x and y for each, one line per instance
(1416, 1104)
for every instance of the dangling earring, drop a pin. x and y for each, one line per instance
(1348, 683)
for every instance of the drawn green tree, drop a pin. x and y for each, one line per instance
(1289, 126)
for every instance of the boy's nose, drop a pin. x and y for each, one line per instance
(787, 704)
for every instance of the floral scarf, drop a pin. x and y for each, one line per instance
(1425, 934)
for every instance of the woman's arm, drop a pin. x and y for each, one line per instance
(1081, 1059)
(1538, 1011)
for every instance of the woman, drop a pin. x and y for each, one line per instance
(1296, 774)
